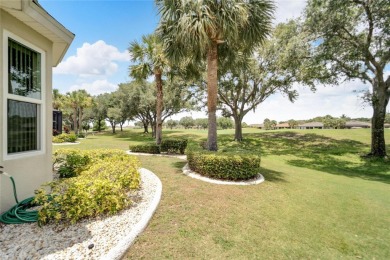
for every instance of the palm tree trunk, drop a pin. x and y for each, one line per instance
(159, 107)
(212, 94)
(79, 128)
(75, 120)
(379, 102)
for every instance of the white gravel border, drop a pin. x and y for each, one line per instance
(66, 143)
(120, 249)
(187, 171)
(108, 236)
(183, 157)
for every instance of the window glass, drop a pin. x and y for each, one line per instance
(22, 126)
(24, 71)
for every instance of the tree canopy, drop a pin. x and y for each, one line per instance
(351, 40)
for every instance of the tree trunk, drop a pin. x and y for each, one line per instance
(159, 107)
(212, 95)
(113, 127)
(380, 99)
(79, 127)
(99, 125)
(75, 120)
(237, 129)
(153, 126)
(146, 127)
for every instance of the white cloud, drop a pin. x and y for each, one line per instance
(288, 9)
(95, 88)
(97, 59)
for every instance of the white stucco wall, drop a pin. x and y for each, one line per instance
(29, 171)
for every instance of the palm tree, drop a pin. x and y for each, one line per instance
(57, 99)
(204, 28)
(78, 100)
(150, 60)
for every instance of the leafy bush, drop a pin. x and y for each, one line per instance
(79, 160)
(174, 145)
(101, 188)
(80, 135)
(73, 165)
(70, 138)
(145, 148)
(226, 166)
(57, 140)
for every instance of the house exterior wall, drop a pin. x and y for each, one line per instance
(28, 171)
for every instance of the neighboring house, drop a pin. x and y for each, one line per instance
(32, 42)
(283, 126)
(357, 124)
(261, 126)
(311, 125)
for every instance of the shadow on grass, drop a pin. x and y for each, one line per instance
(271, 175)
(373, 170)
(179, 165)
(313, 151)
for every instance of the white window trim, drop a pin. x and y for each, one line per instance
(42, 102)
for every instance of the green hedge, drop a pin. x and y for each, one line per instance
(174, 145)
(145, 148)
(225, 167)
(102, 187)
(70, 138)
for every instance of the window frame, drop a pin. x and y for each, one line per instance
(41, 115)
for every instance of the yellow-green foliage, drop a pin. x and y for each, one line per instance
(226, 166)
(102, 187)
(71, 138)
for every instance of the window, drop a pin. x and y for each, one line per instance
(23, 97)
(22, 126)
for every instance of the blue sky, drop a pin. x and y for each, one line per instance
(98, 59)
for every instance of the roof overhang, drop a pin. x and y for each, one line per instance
(32, 14)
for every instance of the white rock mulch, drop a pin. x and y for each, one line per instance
(66, 143)
(104, 238)
(187, 171)
(183, 157)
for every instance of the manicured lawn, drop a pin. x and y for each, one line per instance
(320, 199)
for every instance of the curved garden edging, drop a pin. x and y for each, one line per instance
(107, 237)
(187, 171)
(67, 143)
(123, 245)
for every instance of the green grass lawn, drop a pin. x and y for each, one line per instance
(320, 199)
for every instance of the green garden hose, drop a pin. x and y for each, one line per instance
(19, 213)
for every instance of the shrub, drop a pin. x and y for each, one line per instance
(57, 140)
(174, 145)
(145, 148)
(226, 166)
(55, 132)
(80, 135)
(71, 138)
(102, 188)
(79, 160)
(74, 164)
(66, 129)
